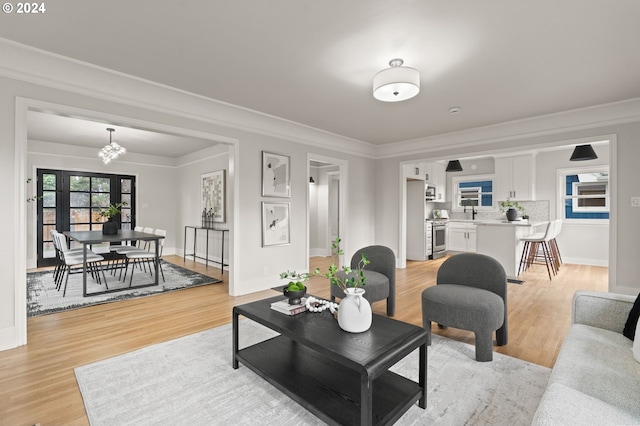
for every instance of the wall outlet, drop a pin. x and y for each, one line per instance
(266, 271)
(635, 201)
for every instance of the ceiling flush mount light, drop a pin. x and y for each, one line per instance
(111, 151)
(454, 166)
(397, 83)
(582, 153)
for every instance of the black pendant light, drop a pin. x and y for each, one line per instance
(454, 166)
(582, 153)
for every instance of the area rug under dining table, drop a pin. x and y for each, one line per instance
(190, 381)
(44, 298)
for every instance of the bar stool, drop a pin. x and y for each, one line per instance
(537, 247)
(554, 243)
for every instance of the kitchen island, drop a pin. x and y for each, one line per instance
(502, 241)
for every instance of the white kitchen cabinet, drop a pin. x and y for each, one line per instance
(462, 237)
(515, 178)
(437, 177)
(416, 171)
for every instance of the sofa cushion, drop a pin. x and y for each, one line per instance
(561, 405)
(630, 326)
(599, 363)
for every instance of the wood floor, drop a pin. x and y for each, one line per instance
(38, 384)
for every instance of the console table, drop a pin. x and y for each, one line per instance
(195, 238)
(343, 378)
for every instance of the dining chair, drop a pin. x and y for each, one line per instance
(75, 260)
(148, 257)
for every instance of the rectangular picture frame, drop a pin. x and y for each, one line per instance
(276, 175)
(213, 188)
(276, 226)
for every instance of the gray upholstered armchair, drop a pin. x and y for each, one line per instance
(471, 294)
(380, 276)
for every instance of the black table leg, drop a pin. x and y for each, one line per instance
(366, 399)
(235, 339)
(422, 378)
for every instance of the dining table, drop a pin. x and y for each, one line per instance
(87, 238)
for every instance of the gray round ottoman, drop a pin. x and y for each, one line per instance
(468, 308)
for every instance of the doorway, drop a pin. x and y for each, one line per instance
(326, 207)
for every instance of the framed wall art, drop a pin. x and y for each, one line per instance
(213, 196)
(276, 229)
(276, 179)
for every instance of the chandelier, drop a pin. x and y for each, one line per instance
(111, 151)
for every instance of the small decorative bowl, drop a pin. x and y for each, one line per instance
(294, 296)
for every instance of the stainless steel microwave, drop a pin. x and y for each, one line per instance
(430, 193)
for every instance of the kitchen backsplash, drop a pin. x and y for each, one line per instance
(538, 211)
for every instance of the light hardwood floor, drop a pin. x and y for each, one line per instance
(39, 385)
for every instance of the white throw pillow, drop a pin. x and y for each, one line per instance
(636, 343)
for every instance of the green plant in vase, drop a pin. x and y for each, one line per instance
(511, 209)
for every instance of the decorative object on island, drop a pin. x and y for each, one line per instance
(582, 153)
(110, 227)
(276, 180)
(454, 166)
(397, 83)
(511, 209)
(213, 198)
(275, 224)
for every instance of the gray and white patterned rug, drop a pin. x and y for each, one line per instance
(43, 298)
(190, 381)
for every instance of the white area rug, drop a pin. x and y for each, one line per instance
(190, 381)
(43, 298)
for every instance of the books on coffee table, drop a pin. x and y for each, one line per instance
(284, 307)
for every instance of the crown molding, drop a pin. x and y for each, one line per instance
(36, 66)
(598, 116)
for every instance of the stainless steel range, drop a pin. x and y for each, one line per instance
(439, 240)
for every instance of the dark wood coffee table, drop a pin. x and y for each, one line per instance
(343, 378)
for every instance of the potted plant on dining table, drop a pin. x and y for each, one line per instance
(110, 227)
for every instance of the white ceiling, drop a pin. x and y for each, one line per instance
(313, 61)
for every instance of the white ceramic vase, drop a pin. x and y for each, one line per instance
(354, 313)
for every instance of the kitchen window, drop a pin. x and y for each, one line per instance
(473, 191)
(585, 193)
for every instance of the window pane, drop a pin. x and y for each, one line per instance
(125, 185)
(48, 251)
(48, 215)
(126, 198)
(125, 214)
(46, 232)
(100, 200)
(78, 199)
(79, 216)
(49, 182)
(82, 227)
(78, 183)
(48, 199)
(100, 184)
(95, 216)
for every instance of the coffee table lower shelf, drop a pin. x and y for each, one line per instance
(325, 387)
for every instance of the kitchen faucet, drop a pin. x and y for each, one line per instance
(473, 212)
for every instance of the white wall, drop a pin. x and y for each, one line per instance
(188, 204)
